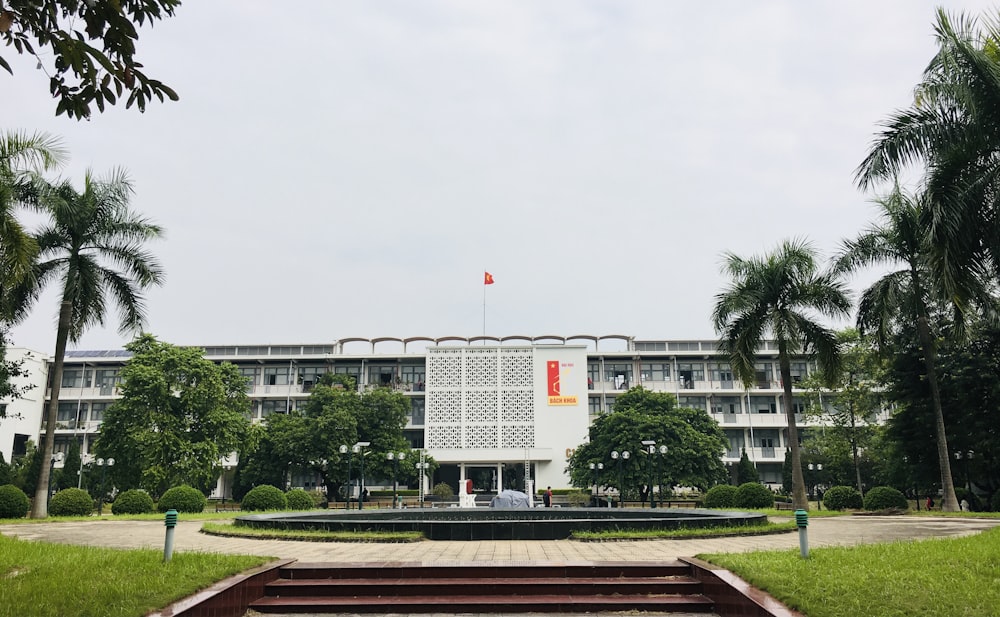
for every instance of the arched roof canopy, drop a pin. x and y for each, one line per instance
(515, 337)
(550, 337)
(444, 339)
(472, 339)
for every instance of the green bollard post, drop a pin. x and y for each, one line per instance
(802, 521)
(168, 545)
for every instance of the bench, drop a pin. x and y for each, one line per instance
(781, 505)
(227, 507)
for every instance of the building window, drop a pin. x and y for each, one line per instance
(413, 375)
(107, 378)
(383, 376)
(654, 371)
(594, 406)
(250, 374)
(690, 372)
(764, 375)
(309, 376)
(97, 411)
(692, 402)
(726, 404)
(763, 404)
(417, 411)
(75, 378)
(593, 374)
(273, 406)
(275, 375)
(719, 371)
(798, 371)
(619, 374)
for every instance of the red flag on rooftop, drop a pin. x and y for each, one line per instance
(488, 279)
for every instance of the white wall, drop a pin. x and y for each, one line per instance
(24, 415)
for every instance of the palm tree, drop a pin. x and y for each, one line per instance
(22, 157)
(953, 130)
(775, 296)
(94, 246)
(903, 296)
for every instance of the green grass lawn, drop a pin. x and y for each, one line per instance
(955, 577)
(308, 535)
(678, 534)
(55, 580)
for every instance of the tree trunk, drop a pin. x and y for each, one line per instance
(949, 501)
(854, 450)
(40, 505)
(799, 498)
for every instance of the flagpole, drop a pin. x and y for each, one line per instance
(484, 307)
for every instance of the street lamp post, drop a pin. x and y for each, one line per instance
(395, 458)
(421, 475)
(651, 450)
(659, 471)
(597, 468)
(359, 447)
(104, 467)
(347, 497)
(56, 458)
(817, 467)
(621, 477)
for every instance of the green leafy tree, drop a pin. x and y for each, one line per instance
(22, 158)
(851, 405)
(694, 441)
(746, 471)
(952, 132)
(309, 439)
(901, 300)
(92, 45)
(71, 466)
(178, 415)
(970, 390)
(6, 473)
(780, 295)
(94, 245)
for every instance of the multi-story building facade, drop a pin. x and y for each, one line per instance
(484, 407)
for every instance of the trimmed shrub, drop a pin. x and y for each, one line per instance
(297, 499)
(753, 495)
(71, 502)
(885, 498)
(319, 499)
(720, 496)
(183, 499)
(133, 501)
(842, 498)
(13, 502)
(576, 499)
(264, 497)
(442, 490)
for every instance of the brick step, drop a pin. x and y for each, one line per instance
(397, 571)
(492, 604)
(464, 586)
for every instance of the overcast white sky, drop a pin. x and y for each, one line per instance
(339, 169)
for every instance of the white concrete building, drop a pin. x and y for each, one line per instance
(483, 407)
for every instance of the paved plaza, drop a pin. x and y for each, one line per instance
(833, 531)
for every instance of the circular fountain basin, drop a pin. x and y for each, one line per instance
(500, 524)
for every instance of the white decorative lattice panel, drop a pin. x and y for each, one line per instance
(481, 436)
(516, 368)
(444, 407)
(444, 368)
(480, 407)
(480, 368)
(517, 406)
(517, 436)
(443, 437)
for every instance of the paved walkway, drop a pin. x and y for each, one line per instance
(834, 531)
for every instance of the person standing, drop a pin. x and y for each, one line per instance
(547, 497)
